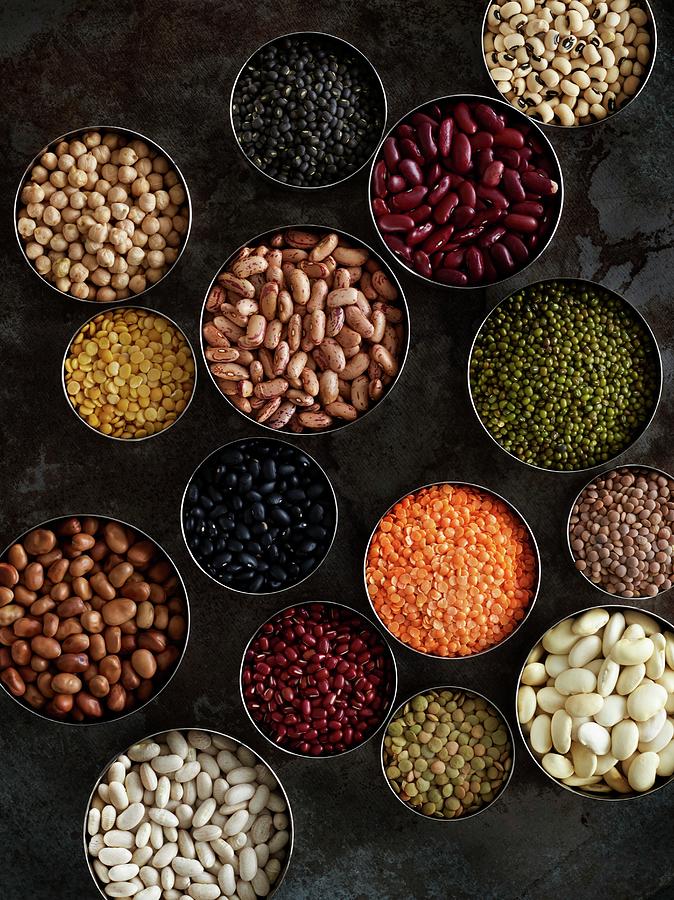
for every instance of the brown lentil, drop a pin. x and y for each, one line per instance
(443, 776)
(129, 373)
(620, 532)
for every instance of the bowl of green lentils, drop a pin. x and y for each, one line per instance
(565, 375)
(447, 753)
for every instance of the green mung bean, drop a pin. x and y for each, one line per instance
(564, 375)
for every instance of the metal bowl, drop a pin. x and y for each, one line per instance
(649, 70)
(509, 110)
(220, 450)
(534, 545)
(262, 238)
(86, 837)
(51, 523)
(115, 309)
(472, 693)
(374, 626)
(330, 41)
(73, 135)
(635, 468)
(639, 318)
(611, 607)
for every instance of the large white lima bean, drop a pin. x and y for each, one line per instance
(595, 702)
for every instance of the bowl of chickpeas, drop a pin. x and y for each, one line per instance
(102, 214)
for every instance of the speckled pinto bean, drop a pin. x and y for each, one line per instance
(84, 642)
(299, 305)
(214, 824)
(318, 679)
(450, 173)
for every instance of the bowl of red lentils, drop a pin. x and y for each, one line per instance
(452, 570)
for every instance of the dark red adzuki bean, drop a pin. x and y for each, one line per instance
(465, 194)
(318, 679)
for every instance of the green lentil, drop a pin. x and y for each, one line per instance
(439, 757)
(564, 375)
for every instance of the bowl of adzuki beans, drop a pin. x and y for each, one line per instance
(466, 191)
(94, 619)
(318, 679)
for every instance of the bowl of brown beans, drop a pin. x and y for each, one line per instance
(619, 531)
(94, 619)
(447, 753)
(102, 214)
(305, 329)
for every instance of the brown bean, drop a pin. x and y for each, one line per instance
(144, 663)
(120, 574)
(99, 686)
(111, 668)
(68, 627)
(17, 557)
(75, 643)
(177, 628)
(103, 588)
(130, 679)
(113, 638)
(33, 697)
(41, 606)
(71, 607)
(48, 559)
(44, 681)
(81, 587)
(116, 701)
(21, 653)
(161, 617)
(58, 570)
(60, 592)
(13, 681)
(11, 613)
(157, 593)
(41, 540)
(97, 648)
(9, 575)
(141, 553)
(145, 615)
(138, 591)
(70, 527)
(33, 576)
(82, 541)
(27, 627)
(61, 704)
(38, 664)
(115, 537)
(81, 566)
(46, 647)
(6, 596)
(153, 640)
(73, 662)
(89, 705)
(5, 658)
(65, 683)
(166, 659)
(92, 621)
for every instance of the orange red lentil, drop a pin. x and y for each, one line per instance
(451, 570)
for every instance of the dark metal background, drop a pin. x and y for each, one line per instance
(165, 69)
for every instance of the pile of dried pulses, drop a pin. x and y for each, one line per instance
(306, 112)
(92, 619)
(304, 332)
(565, 61)
(129, 373)
(465, 192)
(620, 532)
(318, 679)
(564, 375)
(259, 515)
(447, 753)
(103, 217)
(451, 570)
(596, 702)
(188, 814)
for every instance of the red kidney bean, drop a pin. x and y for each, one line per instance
(440, 190)
(391, 154)
(466, 192)
(484, 159)
(452, 276)
(481, 141)
(510, 158)
(492, 195)
(468, 234)
(420, 214)
(395, 222)
(501, 258)
(445, 208)
(462, 154)
(509, 137)
(445, 133)
(379, 207)
(512, 185)
(399, 247)
(493, 173)
(490, 273)
(410, 150)
(411, 171)
(438, 239)
(379, 179)
(488, 216)
(525, 155)
(437, 258)
(428, 146)
(516, 222)
(410, 199)
(419, 118)
(418, 234)
(434, 173)
(528, 208)
(487, 118)
(518, 249)
(538, 182)
(474, 264)
(464, 119)
(396, 183)
(454, 258)
(405, 131)
(463, 216)
(492, 236)
(423, 266)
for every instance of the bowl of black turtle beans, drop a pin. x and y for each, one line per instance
(308, 110)
(259, 515)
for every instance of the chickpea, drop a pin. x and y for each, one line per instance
(58, 243)
(119, 281)
(102, 186)
(51, 216)
(135, 256)
(43, 235)
(101, 154)
(61, 148)
(77, 178)
(136, 215)
(177, 194)
(39, 175)
(165, 225)
(139, 238)
(171, 210)
(85, 222)
(170, 255)
(48, 189)
(92, 139)
(127, 156)
(150, 225)
(66, 162)
(156, 242)
(140, 186)
(95, 199)
(49, 160)
(173, 239)
(63, 284)
(43, 264)
(87, 162)
(35, 210)
(140, 147)
(154, 275)
(92, 178)
(100, 277)
(155, 259)
(123, 294)
(32, 193)
(70, 232)
(93, 246)
(147, 201)
(78, 273)
(98, 232)
(105, 257)
(61, 267)
(180, 224)
(163, 199)
(102, 214)
(111, 140)
(59, 200)
(119, 211)
(119, 266)
(127, 225)
(78, 200)
(77, 149)
(89, 260)
(143, 166)
(106, 295)
(80, 290)
(125, 246)
(155, 181)
(126, 174)
(76, 250)
(117, 194)
(110, 172)
(170, 179)
(33, 250)
(59, 179)
(137, 284)
(26, 227)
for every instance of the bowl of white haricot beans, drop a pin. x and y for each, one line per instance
(595, 702)
(102, 214)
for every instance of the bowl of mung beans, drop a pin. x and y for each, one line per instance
(102, 214)
(447, 753)
(452, 570)
(619, 532)
(569, 64)
(565, 374)
(129, 373)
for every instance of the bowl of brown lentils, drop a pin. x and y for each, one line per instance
(447, 753)
(102, 214)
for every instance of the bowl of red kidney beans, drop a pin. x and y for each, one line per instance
(466, 191)
(318, 679)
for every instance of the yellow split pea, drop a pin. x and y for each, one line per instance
(129, 373)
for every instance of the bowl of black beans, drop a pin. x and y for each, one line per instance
(308, 110)
(259, 515)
